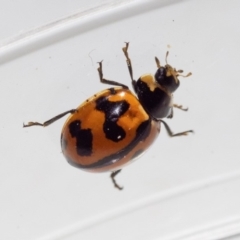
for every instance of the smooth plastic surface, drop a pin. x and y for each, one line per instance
(182, 188)
(26, 18)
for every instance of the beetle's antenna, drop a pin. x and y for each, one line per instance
(157, 62)
(167, 53)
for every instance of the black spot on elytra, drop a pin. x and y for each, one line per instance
(83, 137)
(113, 111)
(142, 133)
(143, 130)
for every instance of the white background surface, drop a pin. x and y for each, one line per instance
(183, 188)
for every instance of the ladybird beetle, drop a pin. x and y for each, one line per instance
(114, 127)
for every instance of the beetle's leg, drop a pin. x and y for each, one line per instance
(106, 81)
(113, 174)
(50, 121)
(129, 64)
(176, 106)
(170, 133)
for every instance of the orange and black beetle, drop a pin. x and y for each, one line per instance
(114, 127)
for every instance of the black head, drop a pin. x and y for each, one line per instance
(167, 76)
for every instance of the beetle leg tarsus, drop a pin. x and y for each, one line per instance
(170, 133)
(106, 81)
(113, 174)
(50, 121)
(129, 63)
